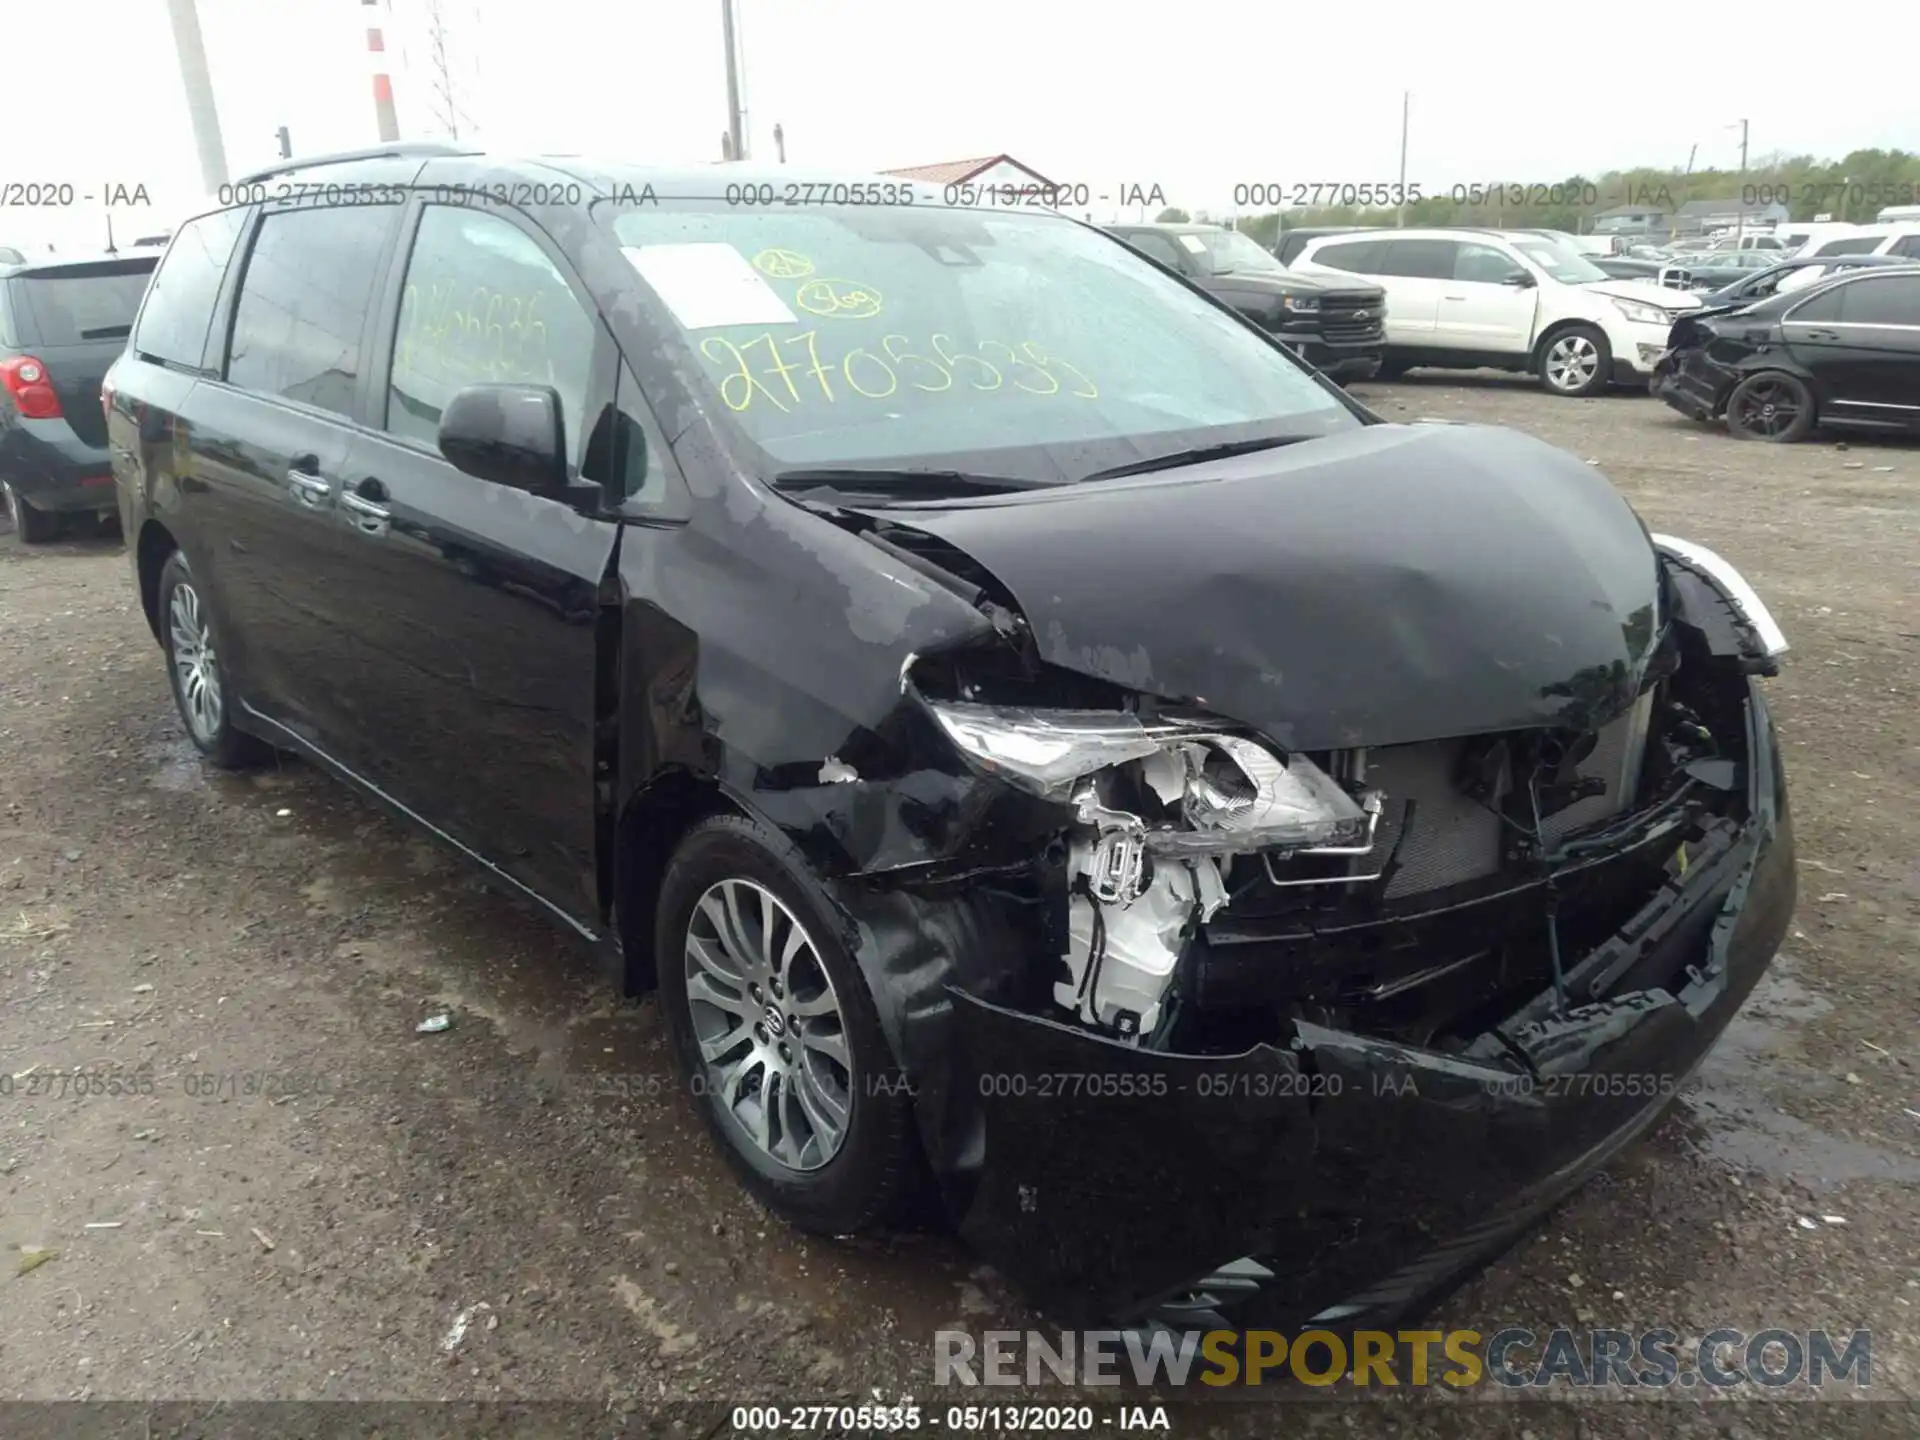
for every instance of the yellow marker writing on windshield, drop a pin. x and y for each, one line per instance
(783, 264)
(842, 299)
(876, 376)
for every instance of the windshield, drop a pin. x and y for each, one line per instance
(1567, 266)
(987, 341)
(1230, 252)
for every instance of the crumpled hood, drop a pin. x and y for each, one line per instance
(1392, 584)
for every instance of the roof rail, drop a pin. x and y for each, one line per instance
(399, 150)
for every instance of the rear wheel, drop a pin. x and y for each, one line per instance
(200, 689)
(1770, 406)
(35, 527)
(776, 1034)
(1575, 361)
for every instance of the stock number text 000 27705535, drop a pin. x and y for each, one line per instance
(760, 369)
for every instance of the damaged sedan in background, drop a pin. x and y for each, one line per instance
(1036, 735)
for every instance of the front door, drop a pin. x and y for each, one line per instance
(1482, 308)
(473, 613)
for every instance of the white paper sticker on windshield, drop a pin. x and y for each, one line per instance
(707, 284)
(1194, 243)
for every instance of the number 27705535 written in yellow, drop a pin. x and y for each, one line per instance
(785, 371)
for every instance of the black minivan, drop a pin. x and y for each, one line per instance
(1048, 750)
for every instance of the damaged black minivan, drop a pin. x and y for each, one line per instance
(1034, 736)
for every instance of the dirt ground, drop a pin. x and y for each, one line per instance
(460, 1216)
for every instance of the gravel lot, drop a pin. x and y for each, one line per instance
(325, 1246)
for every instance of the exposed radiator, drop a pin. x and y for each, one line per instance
(1457, 839)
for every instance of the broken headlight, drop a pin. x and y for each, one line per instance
(1045, 751)
(1159, 809)
(1219, 793)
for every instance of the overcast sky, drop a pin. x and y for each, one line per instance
(1248, 91)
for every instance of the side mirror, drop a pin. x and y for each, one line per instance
(512, 435)
(1519, 280)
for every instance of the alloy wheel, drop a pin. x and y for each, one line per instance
(1572, 362)
(196, 670)
(1768, 408)
(768, 1024)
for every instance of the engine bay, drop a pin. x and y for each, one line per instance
(1205, 888)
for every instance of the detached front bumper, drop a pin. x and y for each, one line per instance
(1349, 1178)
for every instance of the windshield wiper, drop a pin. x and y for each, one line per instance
(1197, 456)
(915, 484)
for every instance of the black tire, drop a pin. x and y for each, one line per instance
(1574, 361)
(35, 527)
(869, 1181)
(220, 742)
(1391, 370)
(1771, 405)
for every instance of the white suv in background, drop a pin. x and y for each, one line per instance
(1899, 240)
(1470, 299)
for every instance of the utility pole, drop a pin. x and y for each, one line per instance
(199, 88)
(736, 137)
(780, 142)
(1406, 104)
(385, 123)
(1740, 214)
(286, 142)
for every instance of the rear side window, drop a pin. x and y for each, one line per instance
(1421, 259)
(303, 304)
(1872, 300)
(1290, 246)
(1849, 245)
(77, 304)
(1362, 257)
(483, 305)
(1158, 246)
(1907, 246)
(179, 309)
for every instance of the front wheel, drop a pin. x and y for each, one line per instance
(1576, 361)
(776, 1034)
(1770, 406)
(200, 688)
(35, 527)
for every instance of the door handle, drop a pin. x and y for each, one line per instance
(1453, 297)
(365, 511)
(364, 508)
(309, 488)
(1823, 335)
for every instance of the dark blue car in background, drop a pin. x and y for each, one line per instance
(62, 323)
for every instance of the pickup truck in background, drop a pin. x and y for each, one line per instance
(1336, 326)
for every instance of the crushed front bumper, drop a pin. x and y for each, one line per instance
(1345, 1177)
